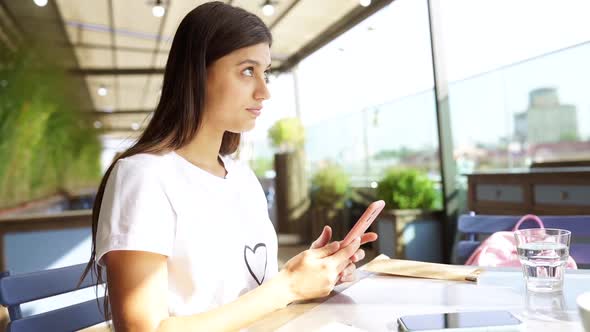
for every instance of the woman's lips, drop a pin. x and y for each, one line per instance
(255, 111)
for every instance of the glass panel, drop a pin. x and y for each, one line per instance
(518, 89)
(367, 97)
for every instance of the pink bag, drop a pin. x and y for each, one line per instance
(500, 248)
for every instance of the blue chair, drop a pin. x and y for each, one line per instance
(22, 288)
(473, 228)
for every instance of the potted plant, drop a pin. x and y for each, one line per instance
(287, 134)
(291, 188)
(409, 228)
(330, 189)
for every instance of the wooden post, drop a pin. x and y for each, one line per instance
(292, 193)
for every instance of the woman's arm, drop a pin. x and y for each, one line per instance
(138, 287)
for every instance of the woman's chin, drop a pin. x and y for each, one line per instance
(242, 128)
(247, 126)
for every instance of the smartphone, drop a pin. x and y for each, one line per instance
(461, 322)
(363, 223)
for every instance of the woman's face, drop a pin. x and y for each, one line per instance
(236, 88)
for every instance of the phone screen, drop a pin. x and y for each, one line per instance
(459, 320)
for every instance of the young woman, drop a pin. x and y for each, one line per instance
(181, 228)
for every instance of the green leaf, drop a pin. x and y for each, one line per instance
(407, 189)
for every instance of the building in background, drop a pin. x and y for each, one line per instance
(546, 120)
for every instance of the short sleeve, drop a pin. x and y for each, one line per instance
(135, 213)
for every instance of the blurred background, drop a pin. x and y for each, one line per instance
(440, 107)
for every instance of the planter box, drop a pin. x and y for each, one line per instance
(410, 234)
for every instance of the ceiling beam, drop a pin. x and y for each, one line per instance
(85, 99)
(113, 44)
(155, 52)
(6, 41)
(10, 23)
(116, 71)
(117, 48)
(122, 112)
(283, 14)
(120, 129)
(348, 21)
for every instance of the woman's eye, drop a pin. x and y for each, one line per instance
(248, 72)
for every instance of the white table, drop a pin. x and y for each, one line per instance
(375, 302)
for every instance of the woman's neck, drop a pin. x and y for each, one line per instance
(203, 151)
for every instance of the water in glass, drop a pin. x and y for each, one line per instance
(543, 264)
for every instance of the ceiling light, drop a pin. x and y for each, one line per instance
(135, 126)
(40, 3)
(268, 9)
(158, 9)
(365, 3)
(102, 91)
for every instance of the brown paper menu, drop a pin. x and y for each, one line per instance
(405, 268)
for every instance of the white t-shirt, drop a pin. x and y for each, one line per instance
(215, 232)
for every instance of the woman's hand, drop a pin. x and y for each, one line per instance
(314, 272)
(348, 274)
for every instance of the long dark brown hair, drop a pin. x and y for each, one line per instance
(207, 33)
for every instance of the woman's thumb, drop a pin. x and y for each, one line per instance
(323, 239)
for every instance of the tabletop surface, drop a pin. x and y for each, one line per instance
(375, 302)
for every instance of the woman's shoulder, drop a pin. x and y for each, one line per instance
(147, 157)
(143, 163)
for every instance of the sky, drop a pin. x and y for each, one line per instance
(386, 60)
